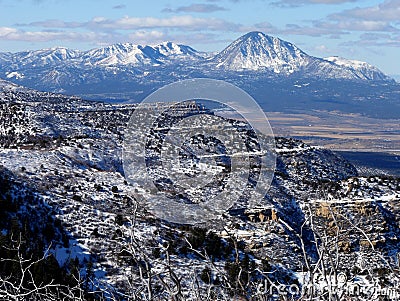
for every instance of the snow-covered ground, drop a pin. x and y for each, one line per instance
(69, 152)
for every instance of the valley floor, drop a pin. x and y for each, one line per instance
(339, 131)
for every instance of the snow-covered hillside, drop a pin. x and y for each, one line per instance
(120, 54)
(362, 69)
(67, 152)
(43, 57)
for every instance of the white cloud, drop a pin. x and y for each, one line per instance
(355, 25)
(145, 30)
(194, 38)
(265, 27)
(382, 18)
(186, 22)
(195, 8)
(5, 31)
(322, 49)
(146, 37)
(141, 36)
(12, 34)
(315, 31)
(53, 23)
(376, 40)
(387, 11)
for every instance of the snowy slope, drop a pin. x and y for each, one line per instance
(116, 54)
(69, 150)
(4, 85)
(361, 69)
(44, 57)
(171, 49)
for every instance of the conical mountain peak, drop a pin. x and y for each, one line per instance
(256, 50)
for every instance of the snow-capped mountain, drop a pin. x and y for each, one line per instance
(138, 55)
(120, 54)
(362, 69)
(171, 49)
(113, 55)
(248, 61)
(43, 57)
(258, 51)
(254, 51)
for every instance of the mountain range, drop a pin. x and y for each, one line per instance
(254, 51)
(264, 66)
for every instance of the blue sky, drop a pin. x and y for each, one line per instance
(367, 30)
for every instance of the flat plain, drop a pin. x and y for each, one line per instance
(339, 131)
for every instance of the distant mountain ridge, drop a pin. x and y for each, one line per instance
(137, 55)
(113, 55)
(254, 51)
(266, 65)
